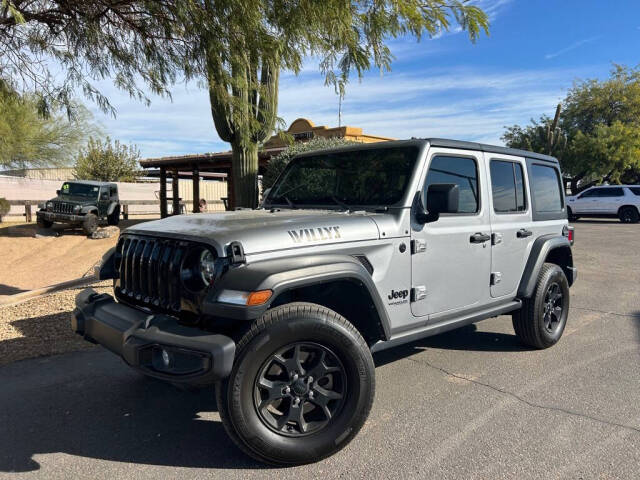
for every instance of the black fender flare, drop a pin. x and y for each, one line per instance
(540, 250)
(283, 274)
(89, 209)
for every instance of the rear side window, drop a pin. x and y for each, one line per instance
(463, 172)
(635, 190)
(611, 192)
(546, 189)
(507, 187)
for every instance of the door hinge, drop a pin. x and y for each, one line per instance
(418, 293)
(496, 278)
(418, 246)
(496, 238)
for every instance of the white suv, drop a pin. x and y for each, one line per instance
(622, 201)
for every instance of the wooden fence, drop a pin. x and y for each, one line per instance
(31, 206)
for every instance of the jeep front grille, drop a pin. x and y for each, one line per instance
(149, 271)
(62, 207)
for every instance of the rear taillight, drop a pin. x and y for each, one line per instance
(569, 232)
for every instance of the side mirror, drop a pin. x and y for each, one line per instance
(58, 192)
(441, 198)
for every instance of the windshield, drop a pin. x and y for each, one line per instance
(79, 190)
(371, 177)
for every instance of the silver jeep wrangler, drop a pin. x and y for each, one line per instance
(355, 250)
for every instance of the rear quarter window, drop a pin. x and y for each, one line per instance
(546, 192)
(635, 190)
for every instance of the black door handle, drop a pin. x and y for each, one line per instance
(523, 233)
(479, 238)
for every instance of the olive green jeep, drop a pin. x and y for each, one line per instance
(82, 203)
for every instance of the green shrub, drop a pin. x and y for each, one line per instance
(107, 161)
(276, 164)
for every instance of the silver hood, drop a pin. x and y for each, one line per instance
(262, 230)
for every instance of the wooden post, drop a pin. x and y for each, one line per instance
(230, 196)
(196, 190)
(176, 193)
(27, 211)
(125, 211)
(163, 192)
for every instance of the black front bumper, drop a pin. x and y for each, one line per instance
(60, 217)
(153, 343)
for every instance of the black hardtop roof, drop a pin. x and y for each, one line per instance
(92, 182)
(438, 142)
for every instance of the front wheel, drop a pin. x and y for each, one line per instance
(89, 224)
(542, 318)
(301, 387)
(44, 223)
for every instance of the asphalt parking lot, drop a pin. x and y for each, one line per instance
(472, 403)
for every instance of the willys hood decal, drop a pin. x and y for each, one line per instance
(262, 230)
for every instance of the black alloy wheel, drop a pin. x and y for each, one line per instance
(300, 388)
(553, 307)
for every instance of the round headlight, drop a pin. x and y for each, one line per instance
(77, 208)
(207, 267)
(49, 205)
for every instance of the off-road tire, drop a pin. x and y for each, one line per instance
(114, 218)
(277, 329)
(44, 223)
(529, 321)
(629, 215)
(89, 224)
(571, 216)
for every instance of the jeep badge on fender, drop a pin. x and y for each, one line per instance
(287, 334)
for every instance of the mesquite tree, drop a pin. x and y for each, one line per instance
(242, 45)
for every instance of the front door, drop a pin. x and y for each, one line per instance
(451, 257)
(586, 202)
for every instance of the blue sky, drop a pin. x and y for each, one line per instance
(445, 87)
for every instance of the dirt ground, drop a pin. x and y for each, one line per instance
(27, 262)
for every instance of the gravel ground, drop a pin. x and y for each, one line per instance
(40, 326)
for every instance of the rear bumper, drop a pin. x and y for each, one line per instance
(59, 217)
(154, 344)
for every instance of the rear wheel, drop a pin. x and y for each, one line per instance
(629, 215)
(301, 388)
(89, 224)
(114, 218)
(542, 318)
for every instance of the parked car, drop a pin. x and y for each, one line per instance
(621, 201)
(356, 250)
(82, 203)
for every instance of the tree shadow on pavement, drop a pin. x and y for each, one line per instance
(464, 338)
(90, 404)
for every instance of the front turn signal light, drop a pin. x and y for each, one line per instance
(259, 298)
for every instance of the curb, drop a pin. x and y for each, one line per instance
(24, 296)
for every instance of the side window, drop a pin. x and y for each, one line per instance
(114, 191)
(589, 193)
(462, 171)
(611, 192)
(545, 189)
(507, 187)
(635, 190)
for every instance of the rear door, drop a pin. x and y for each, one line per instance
(511, 221)
(451, 257)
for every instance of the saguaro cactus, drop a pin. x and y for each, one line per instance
(244, 101)
(555, 138)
